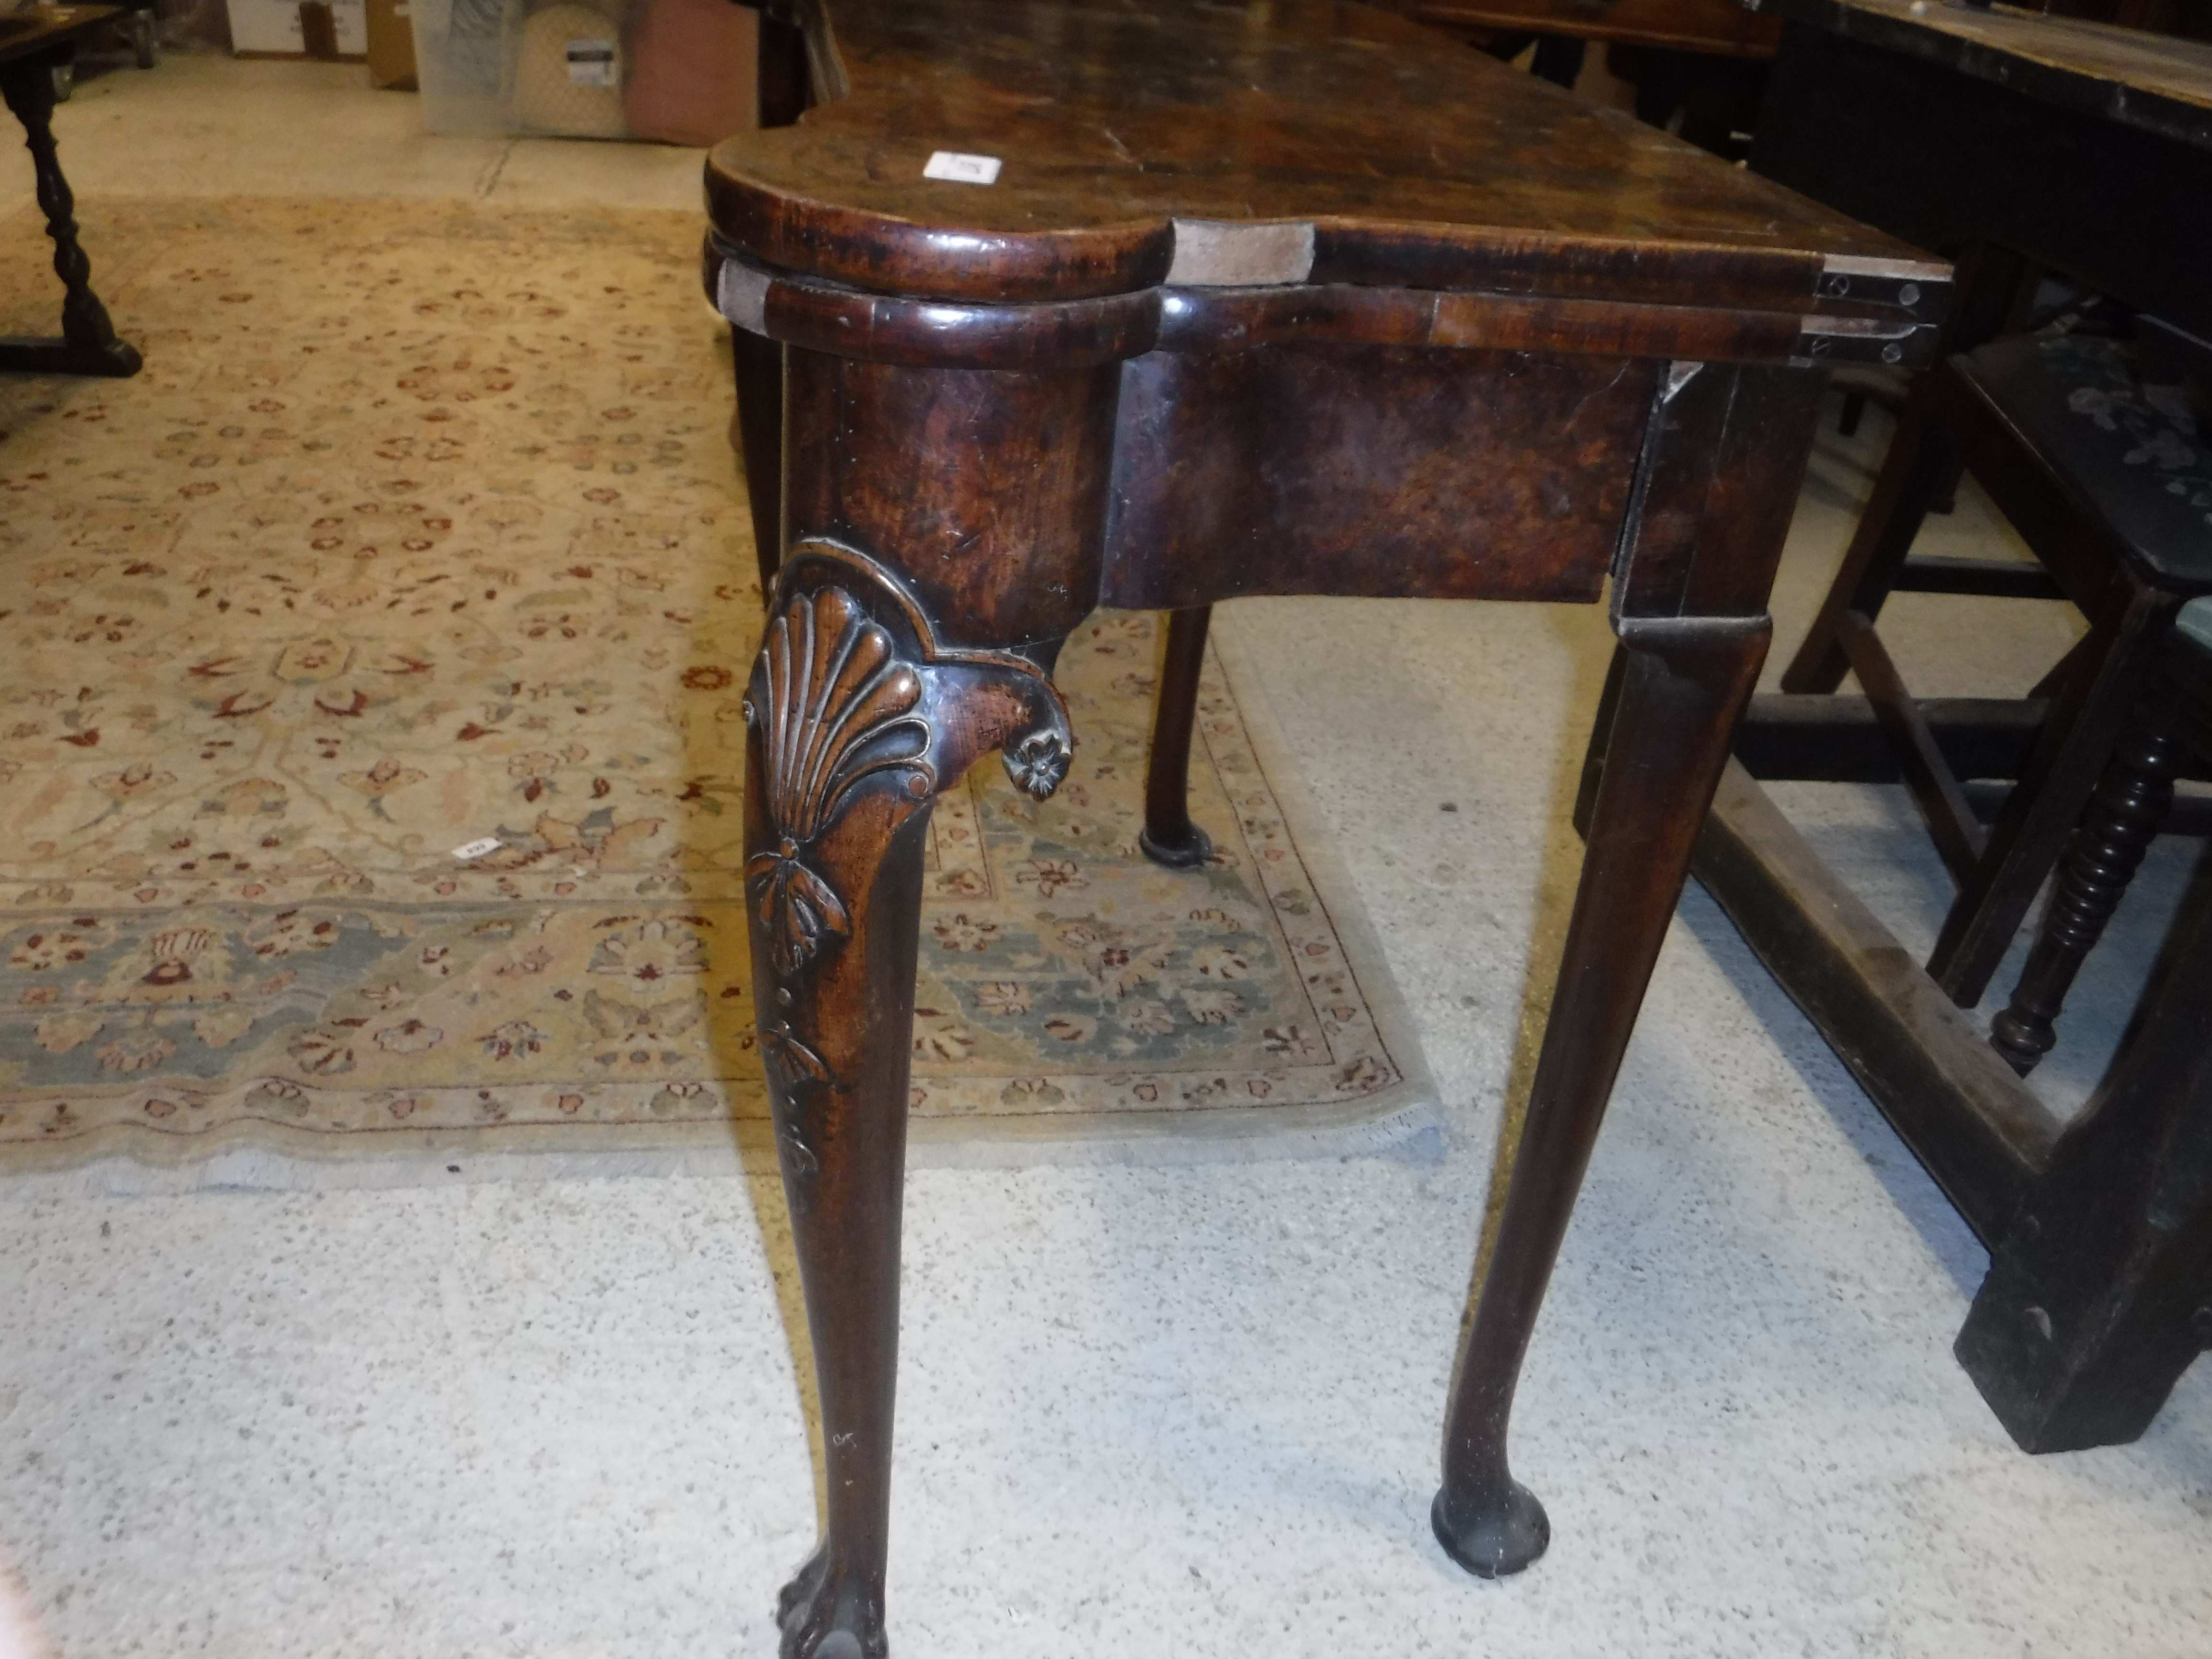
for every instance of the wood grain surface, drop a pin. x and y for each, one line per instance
(2155, 82)
(1720, 29)
(1286, 143)
(43, 28)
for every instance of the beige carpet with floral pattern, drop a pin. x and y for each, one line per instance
(420, 528)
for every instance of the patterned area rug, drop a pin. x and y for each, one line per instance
(420, 529)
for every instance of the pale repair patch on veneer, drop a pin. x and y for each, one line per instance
(1221, 253)
(741, 295)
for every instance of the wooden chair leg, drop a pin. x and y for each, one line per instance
(2131, 801)
(1558, 59)
(1936, 788)
(1658, 79)
(2078, 737)
(757, 436)
(1946, 502)
(2054, 679)
(1917, 474)
(1681, 685)
(1168, 836)
(855, 721)
(1913, 475)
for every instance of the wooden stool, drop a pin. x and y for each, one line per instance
(2080, 451)
(2100, 1294)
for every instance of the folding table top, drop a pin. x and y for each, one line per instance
(1278, 142)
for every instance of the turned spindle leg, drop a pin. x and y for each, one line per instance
(2099, 1293)
(1168, 836)
(89, 344)
(1679, 686)
(855, 720)
(2131, 801)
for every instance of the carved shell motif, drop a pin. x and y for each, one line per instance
(840, 706)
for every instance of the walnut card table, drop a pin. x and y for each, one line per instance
(1276, 298)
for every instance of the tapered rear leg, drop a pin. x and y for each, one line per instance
(1168, 836)
(756, 433)
(1679, 686)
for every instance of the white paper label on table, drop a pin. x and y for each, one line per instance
(952, 165)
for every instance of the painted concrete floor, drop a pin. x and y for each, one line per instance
(1149, 1412)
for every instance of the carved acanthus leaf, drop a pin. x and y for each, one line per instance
(801, 910)
(795, 1065)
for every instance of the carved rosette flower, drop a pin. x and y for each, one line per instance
(1038, 763)
(839, 705)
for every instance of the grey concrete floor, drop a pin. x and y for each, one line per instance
(1143, 1412)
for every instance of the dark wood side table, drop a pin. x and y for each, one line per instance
(1273, 299)
(31, 45)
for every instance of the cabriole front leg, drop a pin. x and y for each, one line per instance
(855, 720)
(1678, 685)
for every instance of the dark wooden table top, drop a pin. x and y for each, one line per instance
(1717, 29)
(2153, 82)
(1321, 143)
(2087, 147)
(40, 29)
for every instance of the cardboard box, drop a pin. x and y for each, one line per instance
(391, 45)
(272, 29)
(681, 71)
(694, 70)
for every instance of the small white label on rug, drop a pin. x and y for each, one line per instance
(952, 165)
(591, 63)
(477, 849)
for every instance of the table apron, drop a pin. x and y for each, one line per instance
(1012, 502)
(1371, 469)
